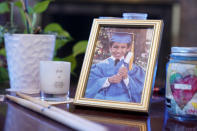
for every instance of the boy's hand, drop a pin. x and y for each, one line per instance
(123, 71)
(115, 79)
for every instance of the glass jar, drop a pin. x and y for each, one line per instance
(181, 83)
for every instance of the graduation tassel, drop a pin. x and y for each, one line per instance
(132, 58)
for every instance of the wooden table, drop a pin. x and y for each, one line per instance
(17, 118)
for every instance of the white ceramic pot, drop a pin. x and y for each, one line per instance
(24, 53)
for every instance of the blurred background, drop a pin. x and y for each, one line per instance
(76, 16)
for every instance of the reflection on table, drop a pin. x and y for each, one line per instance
(21, 119)
(18, 118)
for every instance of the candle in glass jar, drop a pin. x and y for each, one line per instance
(54, 80)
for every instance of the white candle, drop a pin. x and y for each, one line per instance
(55, 77)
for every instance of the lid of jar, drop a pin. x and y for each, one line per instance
(135, 14)
(184, 50)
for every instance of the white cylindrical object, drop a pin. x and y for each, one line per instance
(54, 78)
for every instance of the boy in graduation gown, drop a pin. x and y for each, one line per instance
(111, 79)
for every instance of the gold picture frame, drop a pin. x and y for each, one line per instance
(143, 38)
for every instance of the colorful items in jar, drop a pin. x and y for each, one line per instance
(181, 92)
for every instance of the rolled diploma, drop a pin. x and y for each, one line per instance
(127, 58)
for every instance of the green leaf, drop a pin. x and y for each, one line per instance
(18, 4)
(2, 52)
(3, 74)
(71, 59)
(57, 59)
(1, 40)
(30, 10)
(53, 27)
(59, 44)
(41, 6)
(4, 7)
(56, 28)
(80, 47)
(62, 36)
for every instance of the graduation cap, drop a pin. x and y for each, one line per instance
(122, 37)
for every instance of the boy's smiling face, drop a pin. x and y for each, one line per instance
(119, 50)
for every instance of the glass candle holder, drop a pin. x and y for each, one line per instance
(54, 80)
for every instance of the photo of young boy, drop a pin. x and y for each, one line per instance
(112, 78)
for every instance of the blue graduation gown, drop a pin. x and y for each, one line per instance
(116, 92)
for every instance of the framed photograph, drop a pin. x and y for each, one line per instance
(119, 65)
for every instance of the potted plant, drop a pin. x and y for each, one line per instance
(24, 50)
